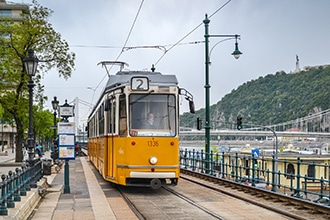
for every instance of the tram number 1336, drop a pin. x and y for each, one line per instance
(152, 143)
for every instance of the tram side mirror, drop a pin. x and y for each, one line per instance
(192, 106)
(189, 97)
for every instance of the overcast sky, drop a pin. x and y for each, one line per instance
(272, 33)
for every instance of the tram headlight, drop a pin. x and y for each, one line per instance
(153, 160)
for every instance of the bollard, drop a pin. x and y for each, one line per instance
(21, 181)
(17, 197)
(10, 201)
(3, 207)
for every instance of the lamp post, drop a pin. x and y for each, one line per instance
(55, 103)
(207, 86)
(30, 65)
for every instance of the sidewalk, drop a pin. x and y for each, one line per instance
(7, 162)
(7, 155)
(86, 199)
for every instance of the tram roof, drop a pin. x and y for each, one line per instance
(123, 78)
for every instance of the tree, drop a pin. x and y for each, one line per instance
(43, 121)
(34, 32)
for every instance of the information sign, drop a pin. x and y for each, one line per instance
(66, 139)
(66, 143)
(66, 128)
(67, 152)
(66, 111)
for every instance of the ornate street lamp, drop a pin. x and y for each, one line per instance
(30, 66)
(207, 86)
(55, 103)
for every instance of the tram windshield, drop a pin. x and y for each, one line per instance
(152, 115)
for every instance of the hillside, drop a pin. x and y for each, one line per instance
(271, 99)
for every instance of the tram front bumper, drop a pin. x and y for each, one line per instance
(148, 175)
(152, 179)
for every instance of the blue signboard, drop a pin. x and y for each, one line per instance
(66, 145)
(255, 153)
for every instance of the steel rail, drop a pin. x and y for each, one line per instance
(289, 200)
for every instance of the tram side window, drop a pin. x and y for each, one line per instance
(111, 117)
(122, 116)
(101, 119)
(91, 127)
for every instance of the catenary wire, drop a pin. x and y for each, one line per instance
(128, 36)
(189, 33)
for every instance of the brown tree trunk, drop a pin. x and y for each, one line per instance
(19, 141)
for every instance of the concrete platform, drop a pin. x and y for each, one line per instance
(86, 200)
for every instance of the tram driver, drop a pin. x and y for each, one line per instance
(150, 122)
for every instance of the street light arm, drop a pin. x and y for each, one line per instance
(231, 38)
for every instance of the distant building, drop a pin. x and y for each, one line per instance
(12, 10)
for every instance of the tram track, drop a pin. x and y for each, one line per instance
(141, 216)
(130, 204)
(193, 200)
(288, 206)
(193, 203)
(164, 202)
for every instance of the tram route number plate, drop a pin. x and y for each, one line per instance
(140, 83)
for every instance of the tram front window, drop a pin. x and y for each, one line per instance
(152, 115)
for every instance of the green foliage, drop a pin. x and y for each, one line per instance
(271, 99)
(34, 32)
(43, 120)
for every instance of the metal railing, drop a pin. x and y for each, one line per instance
(240, 168)
(16, 184)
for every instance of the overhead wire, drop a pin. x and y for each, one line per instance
(171, 46)
(122, 50)
(189, 33)
(161, 47)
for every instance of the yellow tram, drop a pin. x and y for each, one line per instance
(133, 131)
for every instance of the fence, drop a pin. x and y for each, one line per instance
(305, 180)
(16, 184)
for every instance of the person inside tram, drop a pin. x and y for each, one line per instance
(150, 122)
